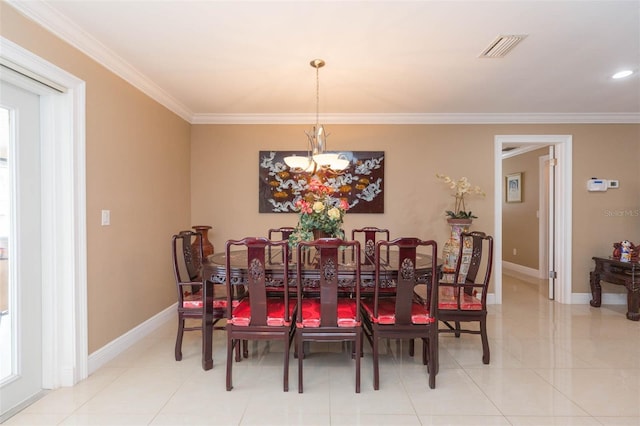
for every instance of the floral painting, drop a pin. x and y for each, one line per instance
(361, 184)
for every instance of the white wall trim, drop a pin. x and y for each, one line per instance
(117, 346)
(421, 118)
(64, 303)
(607, 298)
(21, 406)
(520, 269)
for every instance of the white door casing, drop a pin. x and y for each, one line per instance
(562, 214)
(64, 298)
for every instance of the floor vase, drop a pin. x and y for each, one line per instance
(451, 250)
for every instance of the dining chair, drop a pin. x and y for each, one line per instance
(283, 232)
(187, 253)
(466, 301)
(323, 316)
(369, 234)
(260, 315)
(403, 315)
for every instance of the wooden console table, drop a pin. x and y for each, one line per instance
(620, 273)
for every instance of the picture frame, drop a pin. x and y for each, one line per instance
(361, 184)
(513, 188)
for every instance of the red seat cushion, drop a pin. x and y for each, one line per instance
(387, 311)
(194, 301)
(311, 313)
(448, 300)
(241, 315)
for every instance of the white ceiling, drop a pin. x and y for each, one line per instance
(387, 61)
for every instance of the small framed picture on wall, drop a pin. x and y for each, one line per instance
(514, 188)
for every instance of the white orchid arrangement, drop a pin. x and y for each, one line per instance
(461, 188)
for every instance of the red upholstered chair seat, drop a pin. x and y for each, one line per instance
(194, 301)
(448, 299)
(386, 312)
(241, 315)
(311, 313)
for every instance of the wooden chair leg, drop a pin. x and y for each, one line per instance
(238, 355)
(178, 349)
(230, 344)
(412, 345)
(432, 345)
(285, 379)
(434, 352)
(300, 351)
(432, 378)
(358, 344)
(376, 365)
(425, 353)
(486, 356)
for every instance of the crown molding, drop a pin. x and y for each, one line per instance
(521, 118)
(49, 18)
(52, 20)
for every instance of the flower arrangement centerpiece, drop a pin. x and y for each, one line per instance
(461, 188)
(320, 214)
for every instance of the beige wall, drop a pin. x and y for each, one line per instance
(224, 162)
(225, 168)
(520, 224)
(137, 165)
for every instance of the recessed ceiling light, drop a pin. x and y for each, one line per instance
(622, 74)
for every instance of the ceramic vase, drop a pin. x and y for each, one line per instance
(207, 246)
(451, 250)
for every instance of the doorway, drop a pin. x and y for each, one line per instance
(560, 244)
(526, 225)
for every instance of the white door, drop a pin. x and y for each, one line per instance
(551, 223)
(20, 232)
(547, 236)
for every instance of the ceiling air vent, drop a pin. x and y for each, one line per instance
(502, 45)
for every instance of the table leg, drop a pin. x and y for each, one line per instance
(633, 301)
(596, 290)
(207, 326)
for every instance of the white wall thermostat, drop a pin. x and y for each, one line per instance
(595, 184)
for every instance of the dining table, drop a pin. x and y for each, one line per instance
(214, 274)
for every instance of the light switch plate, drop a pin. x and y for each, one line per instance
(106, 217)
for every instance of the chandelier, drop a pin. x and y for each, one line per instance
(317, 156)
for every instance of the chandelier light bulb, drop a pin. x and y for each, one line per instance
(622, 74)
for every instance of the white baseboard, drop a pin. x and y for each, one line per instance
(607, 298)
(21, 406)
(509, 268)
(114, 348)
(524, 270)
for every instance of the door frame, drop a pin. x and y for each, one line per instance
(563, 209)
(64, 235)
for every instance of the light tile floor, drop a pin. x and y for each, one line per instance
(551, 364)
